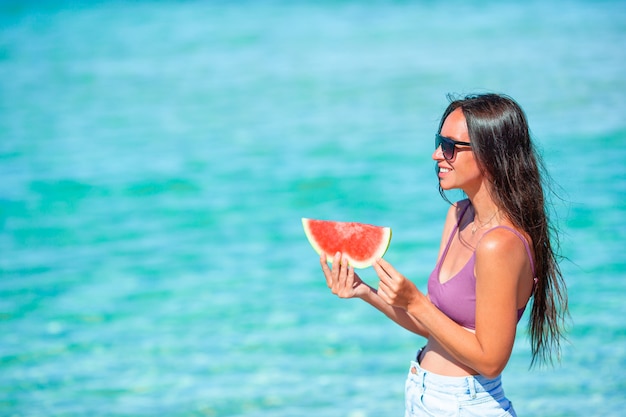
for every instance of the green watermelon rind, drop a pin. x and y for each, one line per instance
(379, 252)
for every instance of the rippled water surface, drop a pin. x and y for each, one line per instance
(156, 159)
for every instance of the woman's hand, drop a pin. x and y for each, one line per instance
(394, 288)
(341, 279)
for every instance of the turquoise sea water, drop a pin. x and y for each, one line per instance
(156, 159)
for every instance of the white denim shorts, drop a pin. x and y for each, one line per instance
(429, 394)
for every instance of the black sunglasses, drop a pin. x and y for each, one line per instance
(448, 146)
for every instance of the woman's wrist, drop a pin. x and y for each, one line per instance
(366, 293)
(416, 304)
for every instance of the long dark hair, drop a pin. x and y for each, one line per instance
(505, 153)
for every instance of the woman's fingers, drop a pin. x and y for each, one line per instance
(336, 269)
(350, 278)
(385, 291)
(390, 281)
(326, 270)
(386, 269)
(335, 274)
(383, 275)
(345, 284)
(340, 276)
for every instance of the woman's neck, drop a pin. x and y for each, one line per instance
(486, 211)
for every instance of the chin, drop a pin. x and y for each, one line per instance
(445, 187)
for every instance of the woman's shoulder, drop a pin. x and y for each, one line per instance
(502, 242)
(505, 235)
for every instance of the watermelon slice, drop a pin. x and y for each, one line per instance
(361, 243)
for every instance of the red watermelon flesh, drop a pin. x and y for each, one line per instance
(361, 243)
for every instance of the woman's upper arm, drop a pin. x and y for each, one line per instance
(500, 264)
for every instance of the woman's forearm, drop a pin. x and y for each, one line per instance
(396, 314)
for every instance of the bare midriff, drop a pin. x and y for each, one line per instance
(435, 359)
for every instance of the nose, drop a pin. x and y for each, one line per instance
(438, 154)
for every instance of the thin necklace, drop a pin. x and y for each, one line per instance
(474, 228)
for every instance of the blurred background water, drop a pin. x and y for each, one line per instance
(156, 158)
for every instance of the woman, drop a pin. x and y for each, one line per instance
(495, 254)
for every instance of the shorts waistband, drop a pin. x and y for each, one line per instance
(454, 384)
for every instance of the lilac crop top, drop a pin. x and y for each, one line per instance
(456, 298)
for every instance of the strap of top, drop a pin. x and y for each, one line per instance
(454, 229)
